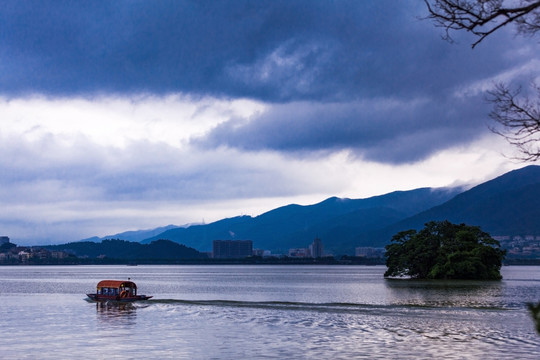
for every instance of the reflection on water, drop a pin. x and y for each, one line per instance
(447, 293)
(117, 313)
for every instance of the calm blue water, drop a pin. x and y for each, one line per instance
(270, 312)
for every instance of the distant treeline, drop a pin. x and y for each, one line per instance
(115, 251)
(166, 252)
(126, 251)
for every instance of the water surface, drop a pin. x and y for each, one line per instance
(271, 312)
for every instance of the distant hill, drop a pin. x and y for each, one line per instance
(507, 205)
(137, 235)
(337, 221)
(120, 249)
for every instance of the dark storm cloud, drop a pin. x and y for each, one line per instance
(385, 130)
(269, 50)
(366, 76)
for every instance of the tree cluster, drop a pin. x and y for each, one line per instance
(443, 250)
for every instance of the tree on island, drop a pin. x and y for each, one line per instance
(443, 250)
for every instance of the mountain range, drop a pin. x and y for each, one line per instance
(506, 205)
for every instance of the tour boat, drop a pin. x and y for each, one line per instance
(117, 290)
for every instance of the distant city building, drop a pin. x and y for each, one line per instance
(520, 246)
(232, 249)
(369, 252)
(59, 255)
(24, 256)
(299, 253)
(261, 252)
(4, 240)
(316, 248)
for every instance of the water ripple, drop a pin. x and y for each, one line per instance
(320, 307)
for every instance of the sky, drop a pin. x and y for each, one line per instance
(127, 115)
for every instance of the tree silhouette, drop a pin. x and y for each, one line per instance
(484, 17)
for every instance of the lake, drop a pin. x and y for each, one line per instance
(265, 312)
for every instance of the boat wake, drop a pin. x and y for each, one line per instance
(333, 307)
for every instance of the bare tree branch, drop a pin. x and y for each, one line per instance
(483, 17)
(519, 117)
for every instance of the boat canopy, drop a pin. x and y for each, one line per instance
(116, 284)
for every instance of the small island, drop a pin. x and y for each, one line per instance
(442, 250)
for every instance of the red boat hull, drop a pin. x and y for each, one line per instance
(99, 297)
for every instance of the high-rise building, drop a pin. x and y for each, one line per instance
(232, 249)
(316, 248)
(4, 240)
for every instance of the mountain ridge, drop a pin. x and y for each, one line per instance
(506, 205)
(296, 225)
(504, 197)
(133, 235)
